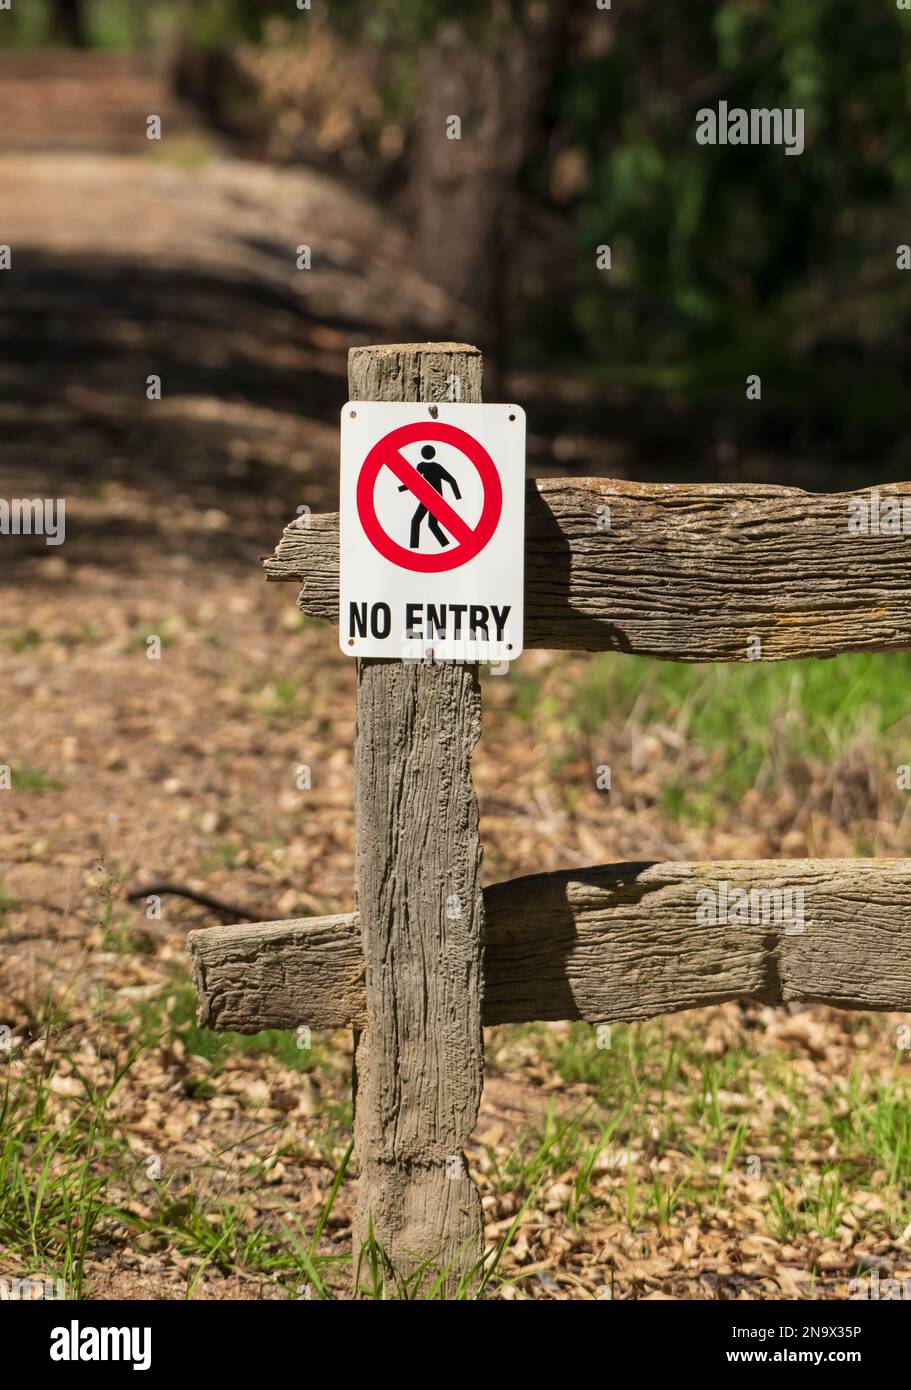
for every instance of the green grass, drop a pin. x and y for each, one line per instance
(54, 1178)
(68, 1187)
(32, 779)
(874, 1123)
(222, 854)
(742, 725)
(8, 903)
(189, 152)
(173, 1015)
(377, 1278)
(24, 639)
(819, 707)
(284, 701)
(65, 1176)
(665, 1140)
(544, 1153)
(826, 1146)
(167, 630)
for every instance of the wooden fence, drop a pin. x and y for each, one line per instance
(684, 573)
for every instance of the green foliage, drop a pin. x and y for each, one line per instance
(758, 718)
(710, 241)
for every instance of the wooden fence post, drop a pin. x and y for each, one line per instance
(419, 1061)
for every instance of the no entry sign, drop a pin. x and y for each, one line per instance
(432, 531)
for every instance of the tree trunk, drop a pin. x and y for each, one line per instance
(69, 23)
(463, 193)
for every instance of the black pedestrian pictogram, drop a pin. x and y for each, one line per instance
(435, 474)
(465, 541)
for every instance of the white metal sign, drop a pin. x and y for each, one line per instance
(432, 531)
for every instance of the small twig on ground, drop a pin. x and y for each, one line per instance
(230, 911)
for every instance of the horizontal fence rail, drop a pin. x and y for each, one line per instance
(686, 572)
(615, 943)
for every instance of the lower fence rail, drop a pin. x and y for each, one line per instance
(619, 942)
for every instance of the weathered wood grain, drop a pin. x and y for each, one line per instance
(305, 972)
(420, 1058)
(618, 942)
(686, 572)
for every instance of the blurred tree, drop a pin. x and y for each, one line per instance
(463, 193)
(490, 63)
(69, 22)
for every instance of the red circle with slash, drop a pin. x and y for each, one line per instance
(471, 540)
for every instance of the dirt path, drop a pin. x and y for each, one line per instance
(125, 266)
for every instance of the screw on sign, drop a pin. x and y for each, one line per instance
(432, 531)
